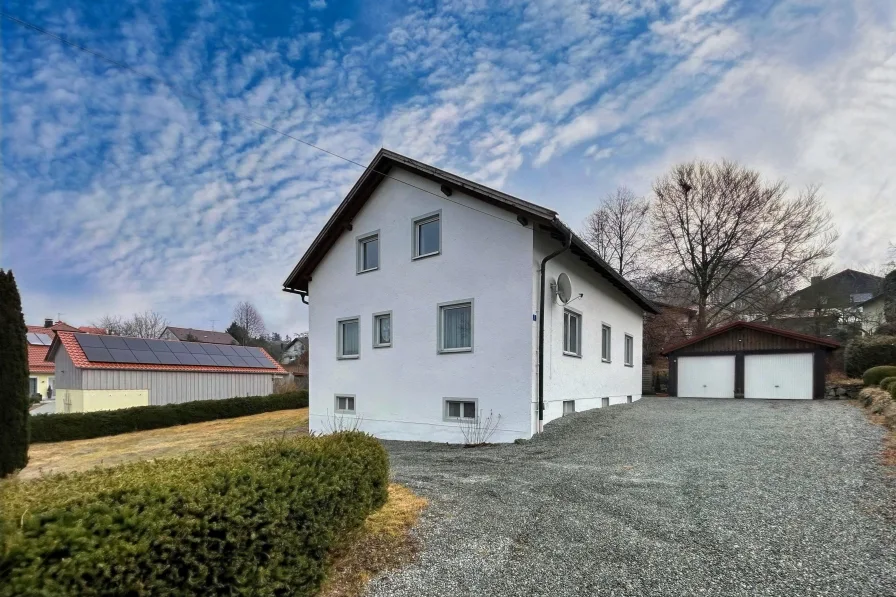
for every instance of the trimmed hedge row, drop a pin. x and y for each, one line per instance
(864, 353)
(875, 375)
(68, 426)
(255, 520)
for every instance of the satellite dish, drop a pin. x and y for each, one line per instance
(564, 288)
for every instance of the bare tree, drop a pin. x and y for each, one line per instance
(734, 241)
(617, 231)
(246, 316)
(148, 324)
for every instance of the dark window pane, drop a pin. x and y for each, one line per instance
(351, 403)
(454, 409)
(428, 237)
(469, 410)
(384, 325)
(370, 254)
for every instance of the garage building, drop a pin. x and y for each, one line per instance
(749, 360)
(95, 372)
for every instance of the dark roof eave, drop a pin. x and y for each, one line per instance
(828, 344)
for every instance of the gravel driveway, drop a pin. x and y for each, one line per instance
(662, 497)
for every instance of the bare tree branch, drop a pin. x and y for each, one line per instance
(148, 324)
(733, 243)
(246, 316)
(617, 231)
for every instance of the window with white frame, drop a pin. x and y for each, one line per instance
(629, 351)
(368, 252)
(456, 326)
(382, 329)
(569, 407)
(460, 410)
(345, 404)
(349, 346)
(572, 333)
(605, 343)
(428, 235)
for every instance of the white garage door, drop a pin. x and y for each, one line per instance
(787, 376)
(706, 377)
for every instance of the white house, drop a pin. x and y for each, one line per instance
(423, 292)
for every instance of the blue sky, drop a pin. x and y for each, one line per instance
(120, 194)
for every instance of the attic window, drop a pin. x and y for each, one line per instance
(428, 235)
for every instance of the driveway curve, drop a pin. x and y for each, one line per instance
(662, 497)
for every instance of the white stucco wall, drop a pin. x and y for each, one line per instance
(399, 391)
(587, 379)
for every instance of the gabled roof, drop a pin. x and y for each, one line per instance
(67, 340)
(37, 360)
(836, 290)
(208, 336)
(378, 170)
(753, 326)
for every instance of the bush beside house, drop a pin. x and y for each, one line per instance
(875, 375)
(70, 426)
(259, 520)
(865, 353)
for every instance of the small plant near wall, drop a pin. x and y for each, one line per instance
(338, 423)
(479, 430)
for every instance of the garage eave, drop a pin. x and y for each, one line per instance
(824, 343)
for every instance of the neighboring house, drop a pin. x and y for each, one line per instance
(111, 372)
(428, 308)
(296, 348)
(749, 360)
(188, 335)
(41, 371)
(872, 313)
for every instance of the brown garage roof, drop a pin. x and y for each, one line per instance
(379, 169)
(207, 336)
(825, 342)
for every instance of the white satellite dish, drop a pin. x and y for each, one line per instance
(564, 288)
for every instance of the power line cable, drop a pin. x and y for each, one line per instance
(249, 119)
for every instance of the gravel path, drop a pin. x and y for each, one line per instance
(662, 497)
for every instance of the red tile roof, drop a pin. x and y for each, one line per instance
(67, 339)
(92, 330)
(37, 359)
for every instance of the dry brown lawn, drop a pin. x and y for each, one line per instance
(78, 455)
(383, 543)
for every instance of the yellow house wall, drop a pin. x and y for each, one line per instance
(43, 381)
(85, 401)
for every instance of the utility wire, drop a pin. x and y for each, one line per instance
(181, 91)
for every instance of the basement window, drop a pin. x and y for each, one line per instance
(605, 401)
(460, 410)
(345, 404)
(569, 407)
(628, 399)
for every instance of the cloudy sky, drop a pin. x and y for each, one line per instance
(120, 194)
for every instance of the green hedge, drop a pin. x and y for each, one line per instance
(864, 353)
(886, 382)
(256, 520)
(875, 375)
(64, 427)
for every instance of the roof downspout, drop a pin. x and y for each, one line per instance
(302, 293)
(544, 261)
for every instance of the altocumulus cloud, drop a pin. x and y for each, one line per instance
(121, 194)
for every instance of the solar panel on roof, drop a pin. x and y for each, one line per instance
(87, 340)
(265, 363)
(195, 348)
(95, 354)
(36, 339)
(114, 342)
(204, 359)
(242, 351)
(186, 358)
(136, 344)
(256, 352)
(221, 360)
(146, 356)
(240, 361)
(226, 350)
(122, 355)
(177, 347)
(167, 358)
(211, 349)
(158, 345)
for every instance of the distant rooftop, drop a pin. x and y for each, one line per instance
(208, 336)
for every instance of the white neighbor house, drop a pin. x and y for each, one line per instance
(423, 292)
